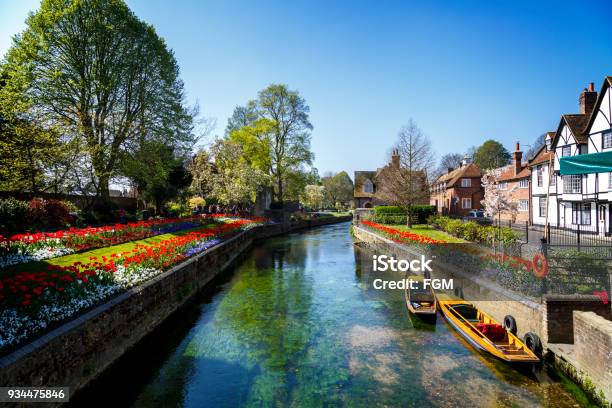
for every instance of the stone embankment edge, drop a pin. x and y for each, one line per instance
(78, 351)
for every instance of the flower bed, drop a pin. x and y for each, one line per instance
(31, 301)
(24, 248)
(402, 236)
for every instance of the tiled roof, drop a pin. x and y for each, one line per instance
(542, 156)
(577, 123)
(471, 170)
(360, 178)
(507, 173)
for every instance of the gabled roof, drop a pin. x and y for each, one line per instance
(542, 156)
(576, 123)
(606, 84)
(507, 173)
(360, 178)
(470, 170)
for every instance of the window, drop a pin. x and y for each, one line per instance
(466, 203)
(610, 180)
(572, 184)
(581, 213)
(553, 179)
(566, 151)
(584, 149)
(524, 183)
(503, 185)
(539, 173)
(542, 207)
(368, 187)
(523, 205)
(466, 182)
(606, 139)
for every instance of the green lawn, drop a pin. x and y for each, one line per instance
(427, 231)
(100, 252)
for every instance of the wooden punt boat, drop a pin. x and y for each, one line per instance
(484, 333)
(420, 300)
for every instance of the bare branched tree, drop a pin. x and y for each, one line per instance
(404, 182)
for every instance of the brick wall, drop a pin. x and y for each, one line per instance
(558, 318)
(593, 349)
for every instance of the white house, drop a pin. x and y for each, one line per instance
(580, 193)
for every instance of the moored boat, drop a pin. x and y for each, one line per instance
(484, 333)
(420, 300)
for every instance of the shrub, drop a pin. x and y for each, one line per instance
(196, 201)
(48, 213)
(390, 214)
(13, 214)
(472, 231)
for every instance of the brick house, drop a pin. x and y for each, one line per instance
(458, 191)
(515, 178)
(366, 184)
(369, 183)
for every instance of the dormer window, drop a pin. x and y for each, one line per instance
(368, 187)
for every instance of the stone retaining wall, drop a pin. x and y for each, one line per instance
(559, 320)
(593, 349)
(78, 351)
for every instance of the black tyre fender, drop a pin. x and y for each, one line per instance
(532, 341)
(510, 324)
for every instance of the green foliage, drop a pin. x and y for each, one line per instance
(491, 155)
(338, 190)
(390, 214)
(474, 232)
(13, 214)
(94, 73)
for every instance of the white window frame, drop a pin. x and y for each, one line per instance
(540, 175)
(610, 180)
(606, 139)
(572, 184)
(542, 207)
(523, 205)
(464, 201)
(503, 185)
(581, 213)
(553, 179)
(563, 151)
(466, 182)
(524, 183)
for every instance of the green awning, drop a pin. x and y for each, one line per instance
(586, 163)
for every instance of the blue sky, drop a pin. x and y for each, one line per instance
(465, 71)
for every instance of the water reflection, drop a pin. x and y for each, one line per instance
(299, 323)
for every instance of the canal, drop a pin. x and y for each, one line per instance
(297, 323)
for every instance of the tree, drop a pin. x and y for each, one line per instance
(404, 182)
(537, 144)
(234, 180)
(338, 189)
(92, 71)
(313, 196)
(241, 117)
(491, 155)
(202, 173)
(497, 201)
(448, 161)
(158, 173)
(290, 133)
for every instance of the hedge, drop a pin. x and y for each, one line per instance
(474, 232)
(389, 214)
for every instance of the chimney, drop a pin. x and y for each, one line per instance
(588, 97)
(395, 159)
(518, 159)
(449, 169)
(466, 160)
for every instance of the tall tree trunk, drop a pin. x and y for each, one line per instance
(279, 181)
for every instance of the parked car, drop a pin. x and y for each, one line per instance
(479, 217)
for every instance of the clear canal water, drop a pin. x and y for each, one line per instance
(297, 323)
